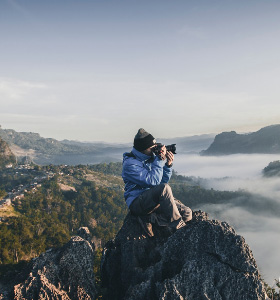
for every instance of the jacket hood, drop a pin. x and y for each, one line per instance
(141, 156)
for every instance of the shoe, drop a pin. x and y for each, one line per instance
(146, 225)
(177, 225)
(180, 224)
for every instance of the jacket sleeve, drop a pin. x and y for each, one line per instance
(137, 173)
(167, 172)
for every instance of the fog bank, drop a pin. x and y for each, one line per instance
(257, 217)
(236, 165)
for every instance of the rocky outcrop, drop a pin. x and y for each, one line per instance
(65, 273)
(266, 140)
(204, 260)
(6, 155)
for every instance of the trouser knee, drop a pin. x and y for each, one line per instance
(166, 189)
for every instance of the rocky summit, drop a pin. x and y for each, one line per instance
(265, 140)
(206, 259)
(63, 274)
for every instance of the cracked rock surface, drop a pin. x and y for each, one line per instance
(65, 273)
(204, 260)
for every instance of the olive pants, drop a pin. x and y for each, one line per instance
(159, 200)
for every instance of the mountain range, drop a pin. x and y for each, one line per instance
(44, 151)
(265, 140)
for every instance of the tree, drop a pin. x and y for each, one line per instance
(2, 194)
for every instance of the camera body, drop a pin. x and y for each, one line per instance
(158, 147)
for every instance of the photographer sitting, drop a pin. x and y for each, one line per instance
(147, 193)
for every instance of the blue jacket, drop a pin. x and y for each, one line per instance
(141, 172)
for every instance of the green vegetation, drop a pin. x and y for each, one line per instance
(2, 194)
(50, 146)
(48, 217)
(29, 140)
(272, 293)
(110, 168)
(194, 196)
(9, 179)
(273, 169)
(8, 211)
(6, 156)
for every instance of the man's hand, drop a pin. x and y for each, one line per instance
(170, 158)
(162, 154)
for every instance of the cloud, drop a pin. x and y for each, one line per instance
(14, 90)
(240, 166)
(182, 107)
(255, 214)
(260, 232)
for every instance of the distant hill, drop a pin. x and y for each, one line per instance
(266, 140)
(31, 140)
(190, 144)
(45, 151)
(272, 170)
(6, 155)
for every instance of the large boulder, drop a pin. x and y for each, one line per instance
(64, 273)
(204, 260)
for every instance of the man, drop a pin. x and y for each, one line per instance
(147, 192)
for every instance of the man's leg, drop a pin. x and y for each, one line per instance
(159, 195)
(184, 211)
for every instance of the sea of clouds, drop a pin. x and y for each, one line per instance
(256, 218)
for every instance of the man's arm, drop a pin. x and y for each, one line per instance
(140, 175)
(167, 169)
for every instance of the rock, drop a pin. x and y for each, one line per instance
(265, 140)
(65, 273)
(6, 155)
(206, 259)
(84, 233)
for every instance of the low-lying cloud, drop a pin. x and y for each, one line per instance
(255, 214)
(238, 165)
(260, 232)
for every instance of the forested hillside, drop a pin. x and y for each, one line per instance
(92, 196)
(51, 151)
(6, 155)
(272, 170)
(74, 196)
(31, 140)
(47, 217)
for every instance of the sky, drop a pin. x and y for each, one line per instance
(98, 70)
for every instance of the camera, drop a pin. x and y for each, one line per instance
(158, 147)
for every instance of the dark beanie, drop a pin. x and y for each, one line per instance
(143, 140)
